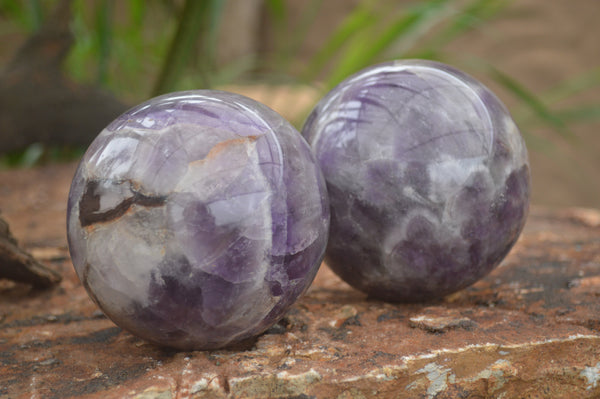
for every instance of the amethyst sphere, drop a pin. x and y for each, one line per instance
(196, 219)
(428, 179)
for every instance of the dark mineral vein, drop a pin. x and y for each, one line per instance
(89, 205)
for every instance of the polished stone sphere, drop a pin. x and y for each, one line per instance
(428, 179)
(196, 219)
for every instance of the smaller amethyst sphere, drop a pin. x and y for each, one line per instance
(428, 179)
(196, 219)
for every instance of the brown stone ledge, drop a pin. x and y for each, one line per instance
(530, 329)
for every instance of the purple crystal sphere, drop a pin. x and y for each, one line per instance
(196, 219)
(428, 179)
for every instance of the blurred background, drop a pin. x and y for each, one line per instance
(67, 68)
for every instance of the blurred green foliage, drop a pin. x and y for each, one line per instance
(140, 48)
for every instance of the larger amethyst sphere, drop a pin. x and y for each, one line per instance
(196, 219)
(428, 179)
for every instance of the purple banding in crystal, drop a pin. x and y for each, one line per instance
(428, 179)
(196, 219)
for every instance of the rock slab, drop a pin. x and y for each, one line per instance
(529, 329)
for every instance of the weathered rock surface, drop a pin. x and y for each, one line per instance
(529, 329)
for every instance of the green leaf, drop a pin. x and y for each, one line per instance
(575, 85)
(29, 14)
(277, 9)
(582, 114)
(197, 18)
(83, 50)
(294, 40)
(466, 18)
(532, 101)
(137, 10)
(357, 21)
(208, 49)
(365, 49)
(36, 14)
(103, 33)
